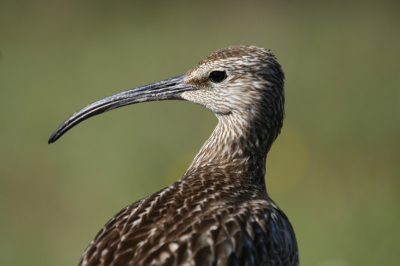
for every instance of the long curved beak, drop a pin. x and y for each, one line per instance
(169, 89)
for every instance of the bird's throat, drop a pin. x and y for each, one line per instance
(236, 147)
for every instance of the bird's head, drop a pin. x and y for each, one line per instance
(237, 80)
(241, 81)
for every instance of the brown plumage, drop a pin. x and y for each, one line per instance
(218, 212)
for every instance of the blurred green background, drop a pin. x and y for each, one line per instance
(335, 169)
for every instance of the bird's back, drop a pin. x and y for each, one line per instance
(219, 220)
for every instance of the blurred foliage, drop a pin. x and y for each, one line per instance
(334, 170)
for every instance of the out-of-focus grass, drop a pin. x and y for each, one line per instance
(334, 170)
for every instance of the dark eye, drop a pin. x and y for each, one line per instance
(217, 76)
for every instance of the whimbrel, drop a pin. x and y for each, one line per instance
(218, 212)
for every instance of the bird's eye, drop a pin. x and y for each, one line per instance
(217, 76)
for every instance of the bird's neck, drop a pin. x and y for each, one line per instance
(238, 147)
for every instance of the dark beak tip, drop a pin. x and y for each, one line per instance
(56, 134)
(52, 138)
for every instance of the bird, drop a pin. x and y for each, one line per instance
(219, 212)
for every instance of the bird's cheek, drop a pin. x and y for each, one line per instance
(195, 97)
(191, 96)
(212, 100)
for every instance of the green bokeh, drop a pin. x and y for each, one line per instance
(335, 170)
